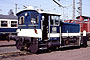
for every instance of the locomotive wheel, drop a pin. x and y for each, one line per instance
(19, 45)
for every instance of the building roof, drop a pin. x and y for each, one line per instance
(7, 17)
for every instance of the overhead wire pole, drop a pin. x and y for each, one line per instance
(80, 7)
(73, 9)
(16, 8)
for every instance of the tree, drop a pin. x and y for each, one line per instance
(11, 13)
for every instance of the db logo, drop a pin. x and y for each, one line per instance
(54, 29)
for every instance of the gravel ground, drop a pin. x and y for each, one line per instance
(9, 49)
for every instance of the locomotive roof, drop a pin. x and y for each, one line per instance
(7, 17)
(42, 12)
(49, 13)
(85, 17)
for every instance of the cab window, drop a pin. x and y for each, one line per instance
(55, 20)
(85, 19)
(21, 20)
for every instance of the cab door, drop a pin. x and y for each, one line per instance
(45, 27)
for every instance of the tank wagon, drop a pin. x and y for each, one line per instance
(39, 30)
(8, 26)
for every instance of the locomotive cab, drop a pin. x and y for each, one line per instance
(37, 24)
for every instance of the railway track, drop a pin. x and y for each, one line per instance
(14, 54)
(8, 49)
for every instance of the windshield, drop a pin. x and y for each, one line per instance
(34, 18)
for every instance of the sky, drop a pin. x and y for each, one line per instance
(46, 5)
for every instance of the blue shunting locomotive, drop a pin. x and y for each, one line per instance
(39, 30)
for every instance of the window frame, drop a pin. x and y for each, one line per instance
(55, 20)
(5, 23)
(14, 23)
